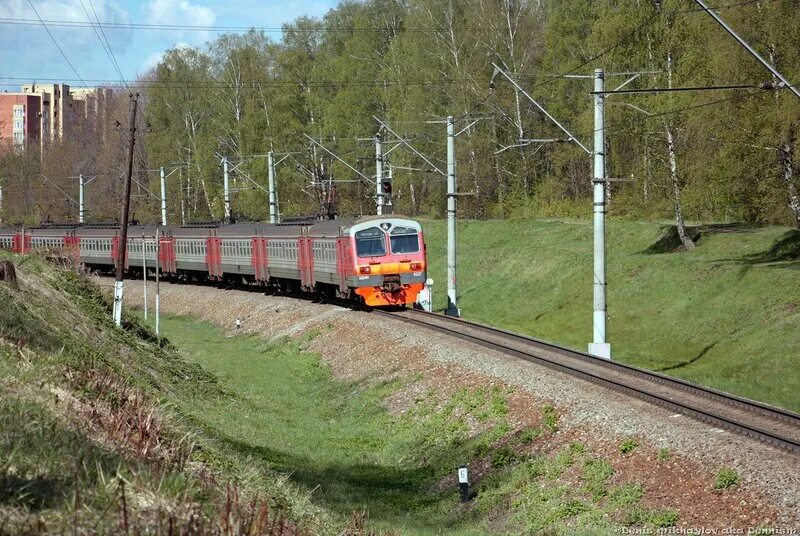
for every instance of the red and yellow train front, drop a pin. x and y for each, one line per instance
(389, 258)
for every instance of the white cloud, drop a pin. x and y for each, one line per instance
(183, 13)
(28, 47)
(155, 58)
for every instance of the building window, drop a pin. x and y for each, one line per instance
(18, 112)
(18, 125)
(19, 137)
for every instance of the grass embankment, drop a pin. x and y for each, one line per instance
(726, 314)
(90, 441)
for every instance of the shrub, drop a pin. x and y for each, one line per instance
(726, 478)
(663, 454)
(549, 418)
(628, 445)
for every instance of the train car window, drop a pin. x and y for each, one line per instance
(404, 240)
(370, 243)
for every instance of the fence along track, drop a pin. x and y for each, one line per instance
(775, 426)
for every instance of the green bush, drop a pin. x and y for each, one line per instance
(628, 445)
(726, 478)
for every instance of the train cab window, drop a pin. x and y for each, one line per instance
(370, 243)
(404, 240)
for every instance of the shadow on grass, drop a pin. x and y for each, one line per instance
(784, 253)
(33, 494)
(404, 495)
(670, 242)
(690, 361)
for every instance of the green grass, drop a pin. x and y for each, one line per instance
(331, 436)
(337, 441)
(726, 315)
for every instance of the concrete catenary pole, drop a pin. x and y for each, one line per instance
(1, 204)
(81, 205)
(158, 283)
(226, 189)
(126, 205)
(599, 347)
(379, 174)
(163, 198)
(273, 197)
(452, 306)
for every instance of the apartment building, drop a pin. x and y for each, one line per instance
(20, 120)
(57, 109)
(45, 113)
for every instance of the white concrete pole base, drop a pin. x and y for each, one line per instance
(600, 349)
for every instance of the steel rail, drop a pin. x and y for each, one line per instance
(774, 426)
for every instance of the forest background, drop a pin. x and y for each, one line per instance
(721, 156)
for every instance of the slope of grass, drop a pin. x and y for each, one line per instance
(89, 443)
(725, 315)
(337, 441)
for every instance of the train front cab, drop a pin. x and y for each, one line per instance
(390, 266)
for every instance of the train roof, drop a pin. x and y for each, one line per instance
(315, 228)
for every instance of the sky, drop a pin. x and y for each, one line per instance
(27, 52)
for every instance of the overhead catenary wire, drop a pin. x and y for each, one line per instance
(55, 42)
(104, 41)
(286, 28)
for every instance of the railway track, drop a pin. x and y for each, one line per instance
(771, 425)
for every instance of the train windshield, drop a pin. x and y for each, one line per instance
(404, 240)
(370, 243)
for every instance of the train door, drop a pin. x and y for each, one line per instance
(259, 258)
(214, 256)
(115, 251)
(305, 261)
(166, 254)
(344, 263)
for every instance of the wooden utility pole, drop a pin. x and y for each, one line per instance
(122, 245)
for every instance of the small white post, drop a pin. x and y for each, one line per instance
(144, 274)
(599, 347)
(425, 297)
(163, 198)
(273, 197)
(118, 289)
(452, 306)
(81, 206)
(1, 204)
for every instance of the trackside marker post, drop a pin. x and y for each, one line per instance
(463, 483)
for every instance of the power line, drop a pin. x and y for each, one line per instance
(30, 2)
(766, 86)
(218, 84)
(108, 44)
(103, 44)
(282, 29)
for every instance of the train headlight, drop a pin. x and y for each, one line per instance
(364, 269)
